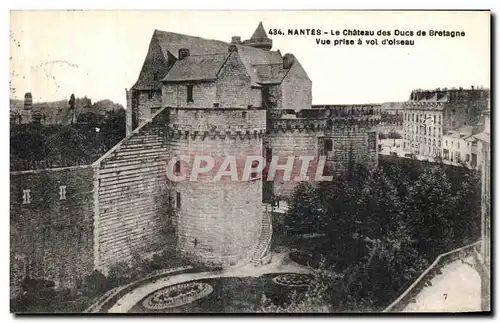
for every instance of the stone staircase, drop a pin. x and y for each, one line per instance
(262, 253)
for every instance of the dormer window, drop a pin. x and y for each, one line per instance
(190, 93)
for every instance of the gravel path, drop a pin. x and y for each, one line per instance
(279, 263)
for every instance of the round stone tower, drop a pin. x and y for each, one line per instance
(219, 218)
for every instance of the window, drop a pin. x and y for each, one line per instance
(458, 145)
(62, 192)
(467, 157)
(328, 145)
(178, 200)
(244, 114)
(177, 167)
(26, 196)
(190, 93)
(150, 95)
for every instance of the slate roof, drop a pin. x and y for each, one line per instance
(163, 52)
(259, 33)
(196, 68)
(263, 67)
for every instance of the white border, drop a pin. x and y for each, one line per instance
(148, 4)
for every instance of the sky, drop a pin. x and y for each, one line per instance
(99, 54)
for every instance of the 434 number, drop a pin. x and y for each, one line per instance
(275, 32)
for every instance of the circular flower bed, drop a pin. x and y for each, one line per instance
(177, 295)
(293, 280)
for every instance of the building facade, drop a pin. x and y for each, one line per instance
(460, 147)
(430, 114)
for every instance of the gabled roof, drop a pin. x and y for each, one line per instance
(264, 67)
(163, 51)
(196, 68)
(270, 73)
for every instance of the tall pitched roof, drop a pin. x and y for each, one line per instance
(163, 51)
(164, 48)
(196, 68)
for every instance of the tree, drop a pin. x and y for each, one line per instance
(430, 202)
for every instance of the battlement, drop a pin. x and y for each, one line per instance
(300, 124)
(450, 94)
(213, 121)
(176, 133)
(355, 120)
(343, 110)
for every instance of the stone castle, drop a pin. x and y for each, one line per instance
(194, 96)
(239, 98)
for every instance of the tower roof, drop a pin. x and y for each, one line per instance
(259, 39)
(259, 32)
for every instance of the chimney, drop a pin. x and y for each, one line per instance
(236, 40)
(288, 61)
(232, 48)
(183, 52)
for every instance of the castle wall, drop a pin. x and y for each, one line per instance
(146, 100)
(296, 89)
(131, 196)
(175, 95)
(224, 217)
(51, 238)
(217, 221)
(296, 138)
(352, 144)
(233, 84)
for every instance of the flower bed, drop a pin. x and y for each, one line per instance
(177, 295)
(292, 280)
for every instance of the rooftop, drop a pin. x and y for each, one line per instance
(163, 55)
